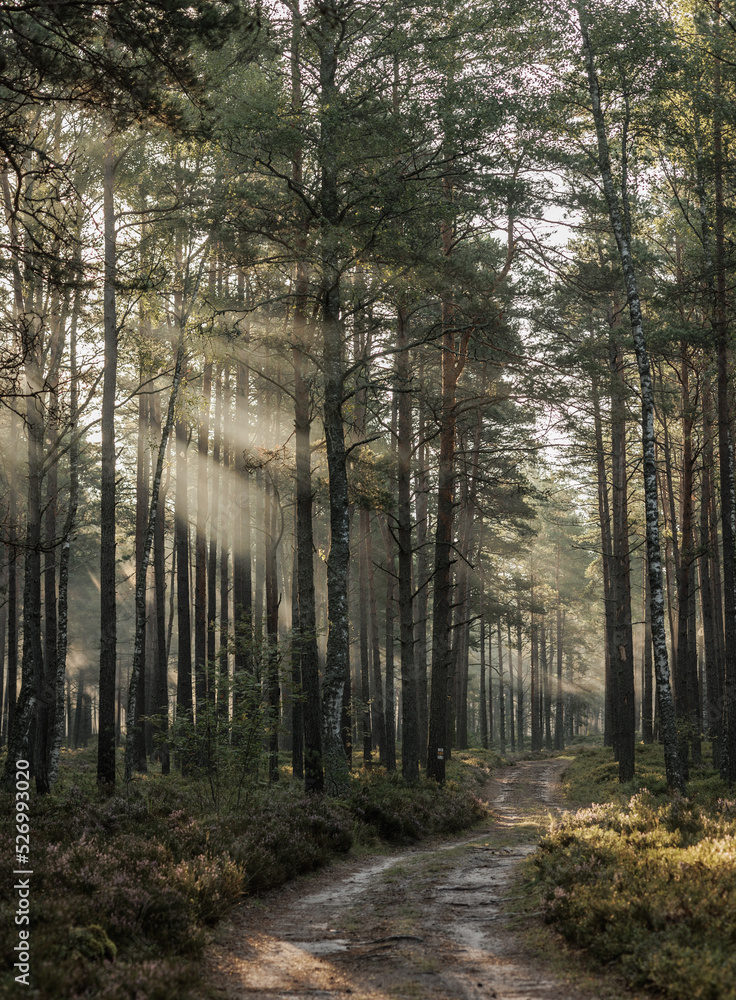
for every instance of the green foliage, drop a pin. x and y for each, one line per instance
(644, 881)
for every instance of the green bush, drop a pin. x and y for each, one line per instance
(92, 943)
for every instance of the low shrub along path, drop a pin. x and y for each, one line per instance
(429, 922)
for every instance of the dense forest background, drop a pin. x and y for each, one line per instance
(366, 383)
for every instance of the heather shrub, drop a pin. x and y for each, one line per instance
(211, 885)
(147, 979)
(162, 979)
(271, 840)
(648, 884)
(124, 887)
(400, 814)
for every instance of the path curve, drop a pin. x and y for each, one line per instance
(423, 924)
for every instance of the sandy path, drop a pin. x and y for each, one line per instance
(424, 923)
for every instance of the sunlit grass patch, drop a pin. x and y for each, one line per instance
(481, 761)
(593, 775)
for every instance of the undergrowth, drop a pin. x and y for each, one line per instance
(645, 881)
(124, 888)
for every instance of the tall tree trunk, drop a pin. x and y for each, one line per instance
(18, 735)
(365, 696)
(301, 431)
(108, 604)
(223, 687)
(709, 516)
(501, 705)
(378, 708)
(212, 553)
(349, 714)
(510, 713)
(242, 583)
(66, 545)
(79, 738)
(712, 662)
(622, 663)
(570, 698)
(686, 688)
(559, 732)
(202, 679)
(161, 658)
(421, 601)
(409, 693)
(457, 687)
(272, 628)
(604, 516)
(142, 569)
(46, 707)
(11, 687)
(32, 673)
(725, 442)
(259, 582)
(547, 696)
(390, 621)
(462, 630)
(308, 651)
(297, 689)
(534, 694)
(438, 741)
(672, 545)
(338, 652)
(5, 549)
(490, 686)
(673, 767)
(183, 606)
(647, 705)
(141, 510)
(482, 705)
(520, 720)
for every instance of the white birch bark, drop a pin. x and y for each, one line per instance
(673, 765)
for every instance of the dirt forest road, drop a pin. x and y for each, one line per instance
(424, 923)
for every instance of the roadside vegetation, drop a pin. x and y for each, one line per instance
(124, 888)
(643, 882)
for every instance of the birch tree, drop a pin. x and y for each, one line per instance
(617, 202)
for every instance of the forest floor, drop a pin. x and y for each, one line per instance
(435, 921)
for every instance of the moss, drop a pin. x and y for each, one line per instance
(92, 943)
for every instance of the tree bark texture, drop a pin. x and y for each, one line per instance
(202, 678)
(108, 602)
(338, 651)
(673, 766)
(622, 662)
(142, 568)
(409, 693)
